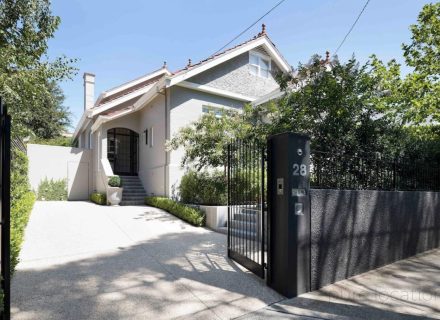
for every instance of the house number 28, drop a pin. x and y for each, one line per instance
(299, 170)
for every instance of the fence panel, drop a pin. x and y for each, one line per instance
(364, 172)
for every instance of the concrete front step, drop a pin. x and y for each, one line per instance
(137, 193)
(133, 199)
(245, 217)
(244, 225)
(133, 193)
(132, 203)
(131, 185)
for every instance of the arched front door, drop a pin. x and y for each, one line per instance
(122, 151)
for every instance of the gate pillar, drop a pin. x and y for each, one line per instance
(289, 213)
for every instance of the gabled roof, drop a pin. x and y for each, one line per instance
(114, 101)
(131, 86)
(261, 40)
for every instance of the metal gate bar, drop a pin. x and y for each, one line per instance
(246, 205)
(5, 198)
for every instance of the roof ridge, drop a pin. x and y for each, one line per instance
(215, 55)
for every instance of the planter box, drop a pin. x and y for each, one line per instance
(114, 195)
(216, 216)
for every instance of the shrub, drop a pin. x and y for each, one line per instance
(99, 198)
(52, 190)
(20, 212)
(188, 214)
(22, 201)
(114, 181)
(208, 188)
(57, 141)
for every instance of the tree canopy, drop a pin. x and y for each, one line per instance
(27, 76)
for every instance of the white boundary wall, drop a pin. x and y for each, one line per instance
(53, 162)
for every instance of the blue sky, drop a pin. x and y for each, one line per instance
(121, 40)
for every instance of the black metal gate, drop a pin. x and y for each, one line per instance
(246, 205)
(5, 198)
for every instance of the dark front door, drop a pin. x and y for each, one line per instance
(122, 151)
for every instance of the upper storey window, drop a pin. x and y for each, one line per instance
(259, 65)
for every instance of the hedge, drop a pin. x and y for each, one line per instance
(22, 201)
(52, 190)
(208, 188)
(188, 214)
(99, 198)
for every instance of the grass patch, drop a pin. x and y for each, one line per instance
(188, 214)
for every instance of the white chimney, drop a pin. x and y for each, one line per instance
(89, 90)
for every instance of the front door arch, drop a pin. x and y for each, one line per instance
(122, 151)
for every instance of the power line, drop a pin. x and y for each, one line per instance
(352, 26)
(253, 24)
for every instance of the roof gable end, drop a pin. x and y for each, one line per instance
(202, 66)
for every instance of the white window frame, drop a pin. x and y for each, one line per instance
(260, 57)
(151, 136)
(90, 139)
(213, 109)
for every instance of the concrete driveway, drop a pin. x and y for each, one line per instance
(84, 261)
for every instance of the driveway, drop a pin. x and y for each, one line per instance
(84, 261)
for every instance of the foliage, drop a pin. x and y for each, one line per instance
(423, 55)
(204, 141)
(99, 198)
(27, 78)
(188, 214)
(114, 181)
(55, 141)
(52, 190)
(22, 200)
(415, 97)
(208, 188)
(20, 212)
(337, 107)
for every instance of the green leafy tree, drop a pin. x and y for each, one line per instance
(336, 105)
(423, 55)
(205, 140)
(27, 76)
(415, 98)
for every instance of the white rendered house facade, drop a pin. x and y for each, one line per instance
(127, 127)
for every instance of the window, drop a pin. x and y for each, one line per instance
(90, 140)
(149, 136)
(217, 111)
(259, 66)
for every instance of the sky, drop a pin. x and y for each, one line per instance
(122, 40)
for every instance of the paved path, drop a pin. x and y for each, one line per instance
(407, 289)
(84, 261)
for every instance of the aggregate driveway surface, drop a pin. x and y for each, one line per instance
(84, 261)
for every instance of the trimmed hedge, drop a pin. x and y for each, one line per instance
(99, 198)
(208, 188)
(52, 190)
(22, 201)
(188, 214)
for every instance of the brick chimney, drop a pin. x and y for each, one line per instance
(89, 90)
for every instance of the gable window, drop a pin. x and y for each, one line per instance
(217, 111)
(258, 65)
